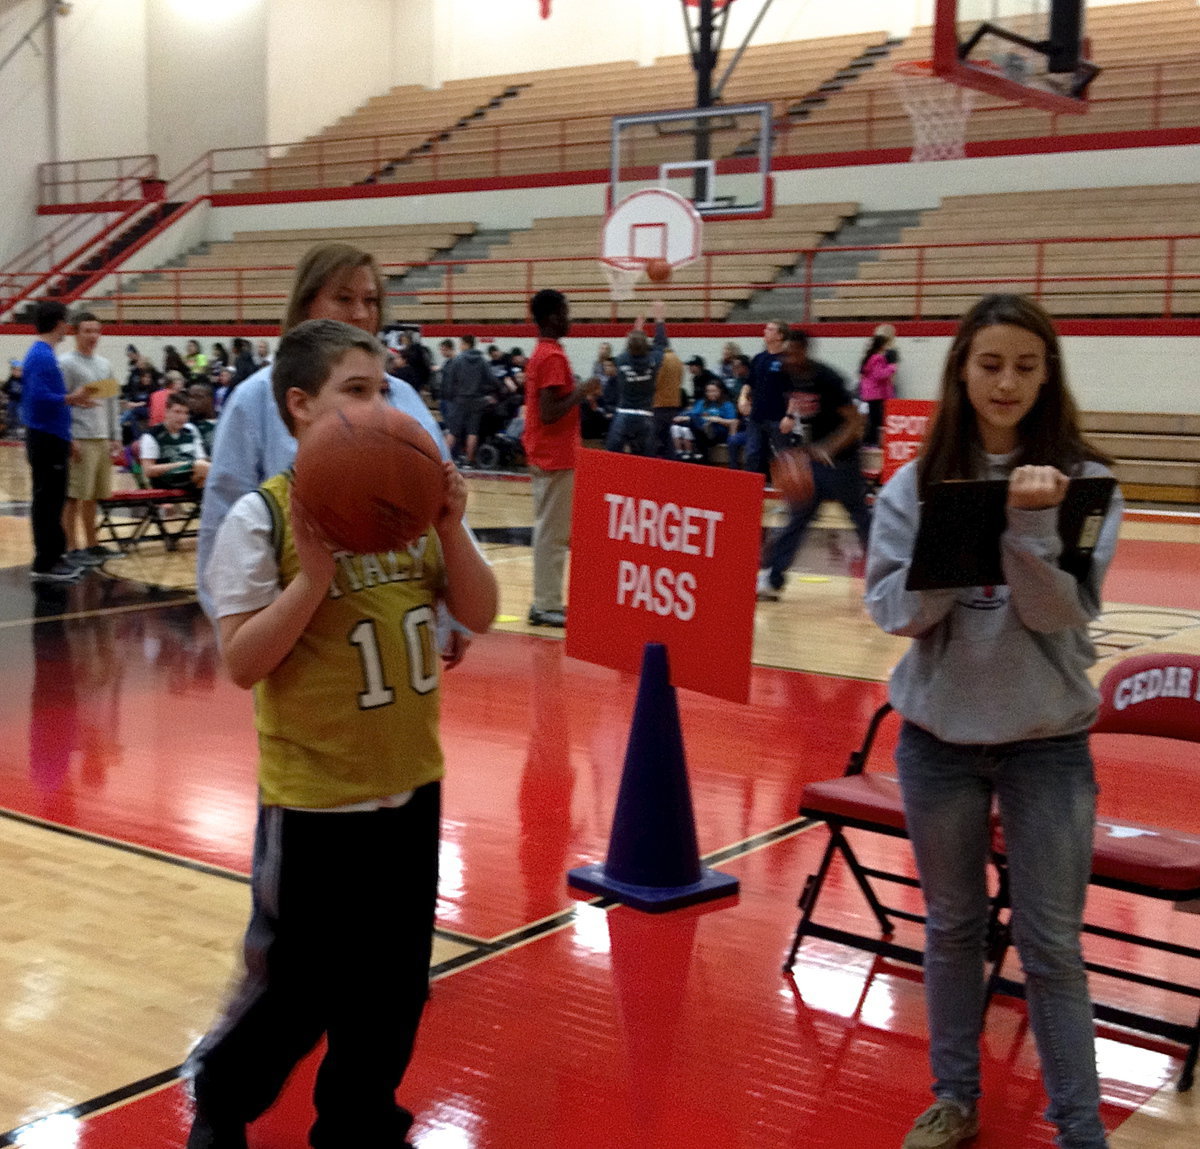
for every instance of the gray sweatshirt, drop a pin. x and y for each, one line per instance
(990, 664)
(102, 419)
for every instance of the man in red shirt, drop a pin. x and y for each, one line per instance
(551, 441)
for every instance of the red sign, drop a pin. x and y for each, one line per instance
(904, 424)
(665, 552)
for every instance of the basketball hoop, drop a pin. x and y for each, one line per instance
(622, 281)
(938, 109)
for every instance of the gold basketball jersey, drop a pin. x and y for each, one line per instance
(352, 713)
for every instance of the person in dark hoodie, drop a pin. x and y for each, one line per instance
(637, 367)
(468, 378)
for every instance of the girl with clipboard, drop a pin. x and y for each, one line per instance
(996, 705)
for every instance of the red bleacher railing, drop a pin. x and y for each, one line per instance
(1172, 283)
(43, 261)
(95, 180)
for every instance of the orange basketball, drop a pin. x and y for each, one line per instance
(791, 475)
(370, 477)
(658, 271)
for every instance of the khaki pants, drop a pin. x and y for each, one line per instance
(552, 491)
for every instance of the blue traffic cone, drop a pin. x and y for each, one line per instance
(653, 861)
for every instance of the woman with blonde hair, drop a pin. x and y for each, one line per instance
(333, 281)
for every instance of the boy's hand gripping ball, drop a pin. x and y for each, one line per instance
(370, 477)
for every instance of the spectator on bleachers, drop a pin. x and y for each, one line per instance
(416, 355)
(469, 380)
(156, 409)
(700, 375)
(446, 353)
(399, 366)
(195, 361)
(738, 436)
(730, 354)
(172, 453)
(603, 352)
(669, 399)
(133, 362)
(498, 363)
(223, 386)
(219, 356)
(262, 354)
(517, 359)
(637, 366)
(173, 361)
(203, 411)
(597, 410)
(763, 398)
(12, 399)
(875, 375)
(135, 399)
(243, 360)
(709, 422)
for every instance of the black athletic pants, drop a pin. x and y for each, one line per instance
(338, 946)
(48, 456)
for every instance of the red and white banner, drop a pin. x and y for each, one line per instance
(665, 552)
(904, 424)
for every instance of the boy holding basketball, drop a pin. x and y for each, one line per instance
(343, 658)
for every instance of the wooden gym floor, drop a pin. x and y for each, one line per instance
(127, 803)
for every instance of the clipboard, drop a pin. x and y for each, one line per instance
(106, 388)
(958, 539)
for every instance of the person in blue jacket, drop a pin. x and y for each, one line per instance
(45, 412)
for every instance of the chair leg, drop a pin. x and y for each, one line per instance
(999, 933)
(808, 900)
(860, 876)
(1188, 1075)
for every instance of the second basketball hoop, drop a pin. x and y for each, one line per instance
(650, 232)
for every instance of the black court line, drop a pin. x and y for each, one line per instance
(95, 1104)
(480, 950)
(175, 860)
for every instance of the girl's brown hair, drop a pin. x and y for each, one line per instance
(324, 263)
(1049, 435)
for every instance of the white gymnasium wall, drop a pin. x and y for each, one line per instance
(24, 124)
(461, 38)
(206, 77)
(103, 105)
(325, 59)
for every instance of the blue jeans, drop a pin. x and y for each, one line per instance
(1046, 792)
(762, 438)
(843, 482)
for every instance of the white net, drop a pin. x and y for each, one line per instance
(622, 281)
(939, 111)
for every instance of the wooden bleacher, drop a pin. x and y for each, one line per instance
(556, 119)
(570, 108)
(1157, 456)
(1169, 209)
(504, 287)
(269, 259)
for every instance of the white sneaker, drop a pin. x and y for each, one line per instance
(764, 591)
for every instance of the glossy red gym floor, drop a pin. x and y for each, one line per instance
(560, 1024)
